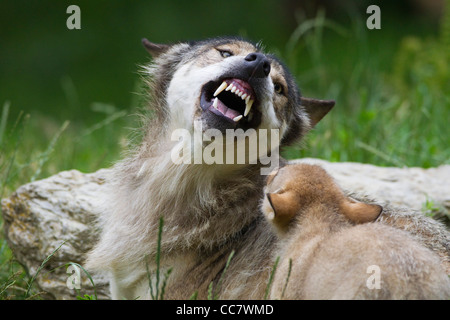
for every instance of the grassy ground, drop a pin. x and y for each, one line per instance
(392, 92)
(392, 96)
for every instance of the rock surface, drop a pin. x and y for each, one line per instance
(59, 212)
(405, 187)
(56, 212)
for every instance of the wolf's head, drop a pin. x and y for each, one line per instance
(308, 190)
(229, 83)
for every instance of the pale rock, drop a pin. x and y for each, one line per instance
(404, 187)
(42, 215)
(62, 209)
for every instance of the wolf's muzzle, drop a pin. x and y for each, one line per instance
(256, 65)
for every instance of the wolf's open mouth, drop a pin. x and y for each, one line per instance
(232, 99)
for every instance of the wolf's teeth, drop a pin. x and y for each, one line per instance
(239, 93)
(244, 96)
(248, 106)
(236, 119)
(246, 99)
(220, 88)
(229, 87)
(233, 89)
(216, 100)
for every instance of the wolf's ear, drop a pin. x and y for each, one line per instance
(359, 212)
(316, 108)
(284, 205)
(155, 49)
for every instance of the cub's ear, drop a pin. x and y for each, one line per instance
(285, 205)
(155, 49)
(359, 212)
(272, 175)
(316, 109)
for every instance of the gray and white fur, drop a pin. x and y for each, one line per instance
(208, 210)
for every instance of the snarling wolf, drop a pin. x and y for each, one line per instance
(210, 210)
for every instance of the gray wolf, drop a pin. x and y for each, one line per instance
(205, 88)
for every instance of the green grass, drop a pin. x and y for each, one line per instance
(157, 289)
(35, 146)
(389, 112)
(392, 109)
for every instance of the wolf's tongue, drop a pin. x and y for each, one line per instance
(227, 112)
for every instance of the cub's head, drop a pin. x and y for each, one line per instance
(228, 83)
(300, 189)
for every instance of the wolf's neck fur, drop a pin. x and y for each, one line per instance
(202, 207)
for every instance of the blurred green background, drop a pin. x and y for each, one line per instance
(391, 85)
(41, 58)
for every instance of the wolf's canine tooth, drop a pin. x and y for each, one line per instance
(236, 119)
(220, 88)
(248, 106)
(245, 96)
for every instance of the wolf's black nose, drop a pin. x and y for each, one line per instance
(257, 65)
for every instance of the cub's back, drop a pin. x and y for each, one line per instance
(375, 261)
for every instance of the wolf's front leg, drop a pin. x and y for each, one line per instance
(129, 284)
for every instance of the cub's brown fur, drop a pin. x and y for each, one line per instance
(334, 249)
(208, 210)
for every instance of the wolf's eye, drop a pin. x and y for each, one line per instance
(278, 88)
(225, 53)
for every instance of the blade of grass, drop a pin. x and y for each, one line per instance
(43, 158)
(70, 91)
(194, 296)
(41, 267)
(149, 278)
(210, 291)
(163, 286)
(269, 283)
(318, 22)
(103, 123)
(158, 254)
(87, 274)
(219, 284)
(77, 265)
(158, 293)
(380, 154)
(287, 278)
(5, 112)
(13, 157)
(10, 282)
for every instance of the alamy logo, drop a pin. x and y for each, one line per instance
(74, 279)
(374, 20)
(235, 147)
(374, 281)
(74, 20)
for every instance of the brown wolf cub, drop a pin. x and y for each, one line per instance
(336, 252)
